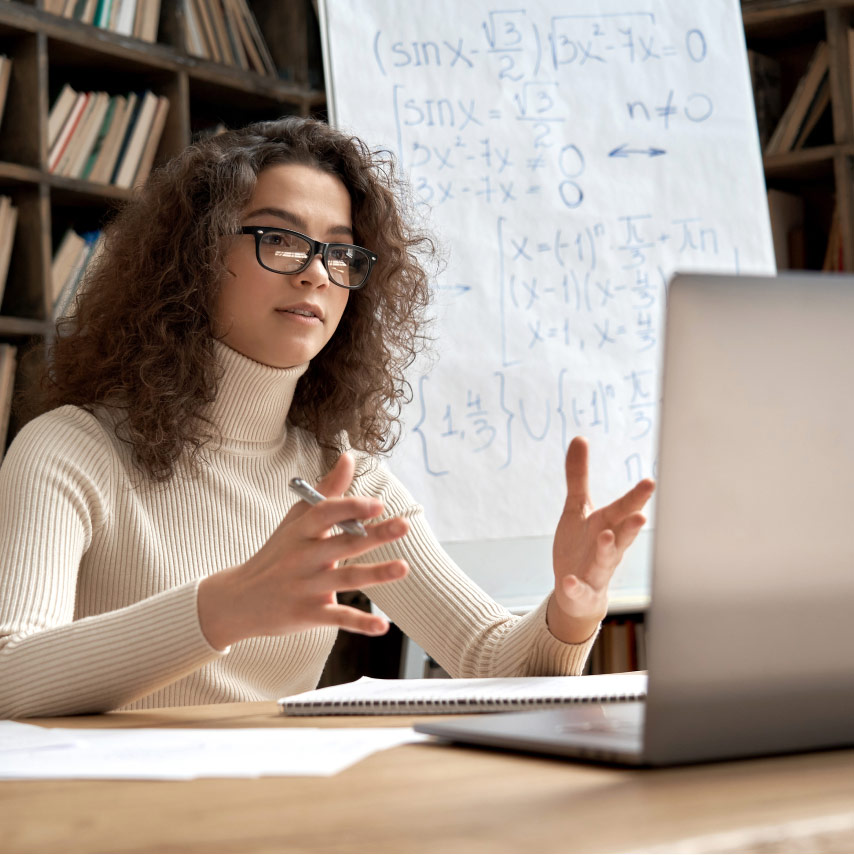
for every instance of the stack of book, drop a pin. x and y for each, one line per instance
(8, 364)
(5, 74)
(226, 31)
(137, 18)
(8, 221)
(110, 139)
(74, 254)
(807, 106)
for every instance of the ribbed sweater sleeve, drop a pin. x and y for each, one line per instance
(54, 495)
(451, 617)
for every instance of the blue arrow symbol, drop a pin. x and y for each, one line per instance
(458, 289)
(623, 151)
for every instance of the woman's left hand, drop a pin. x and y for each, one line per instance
(588, 546)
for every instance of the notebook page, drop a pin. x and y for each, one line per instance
(373, 696)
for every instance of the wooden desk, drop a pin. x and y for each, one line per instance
(435, 798)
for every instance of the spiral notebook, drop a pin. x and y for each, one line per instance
(370, 696)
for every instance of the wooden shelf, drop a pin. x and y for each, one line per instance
(21, 327)
(788, 31)
(49, 51)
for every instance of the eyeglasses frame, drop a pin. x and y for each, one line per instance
(317, 248)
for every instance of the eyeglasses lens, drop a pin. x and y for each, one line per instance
(287, 253)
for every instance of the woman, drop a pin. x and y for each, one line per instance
(235, 334)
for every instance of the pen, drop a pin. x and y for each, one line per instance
(305, 491)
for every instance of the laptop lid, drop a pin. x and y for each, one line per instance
(751, 627)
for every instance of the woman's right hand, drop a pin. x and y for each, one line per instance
(289, 585)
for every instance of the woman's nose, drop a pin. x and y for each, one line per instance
(315, 274)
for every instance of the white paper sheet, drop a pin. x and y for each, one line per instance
(184, 754)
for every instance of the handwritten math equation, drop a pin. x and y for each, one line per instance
(555, 150)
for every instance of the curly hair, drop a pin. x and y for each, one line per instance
(140, 338)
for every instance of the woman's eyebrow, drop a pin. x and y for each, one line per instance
(295, 221)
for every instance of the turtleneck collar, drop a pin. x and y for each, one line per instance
(253, 399)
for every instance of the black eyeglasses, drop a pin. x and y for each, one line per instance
(287, 251)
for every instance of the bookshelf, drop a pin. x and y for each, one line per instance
(49, 51)
(817, 174)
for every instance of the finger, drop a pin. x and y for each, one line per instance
(355, 577)
(342, 546)
(354, 620)
(316, 521)
(337, 480)
(632, 501)
(628, 530)
(606, 561)
(577, 495)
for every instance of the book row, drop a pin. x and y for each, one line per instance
(70, 261)
(109, 139)
(791, 128)
(621, 646)
(5, 75)
(136, 18)
(226, 31)
(8, 222)
(8, 364)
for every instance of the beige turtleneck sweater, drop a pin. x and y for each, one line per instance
(99, 572)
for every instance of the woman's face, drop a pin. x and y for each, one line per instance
(278, 319)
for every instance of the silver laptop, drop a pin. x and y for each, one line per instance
(751, 623)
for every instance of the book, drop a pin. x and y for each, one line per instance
(817, 109)
(125, 17)
(87, 134)
(8, 364)
(100, 138)
(129, 162)
(102, 15)
(193, 39)
(253, 57)
(147, 20)
(221, 31)
(91, 247)
(78, 135)
(146, 160)
(59, 113)
(133, 108)
(370, 696)
(203, 15)
(243, 9)
(105, 162)
(64, 260)
(68, 129)
(78, 138)
(786, 132)
(87, 14)
(5, 75)
(8, 222)
(234, 34)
